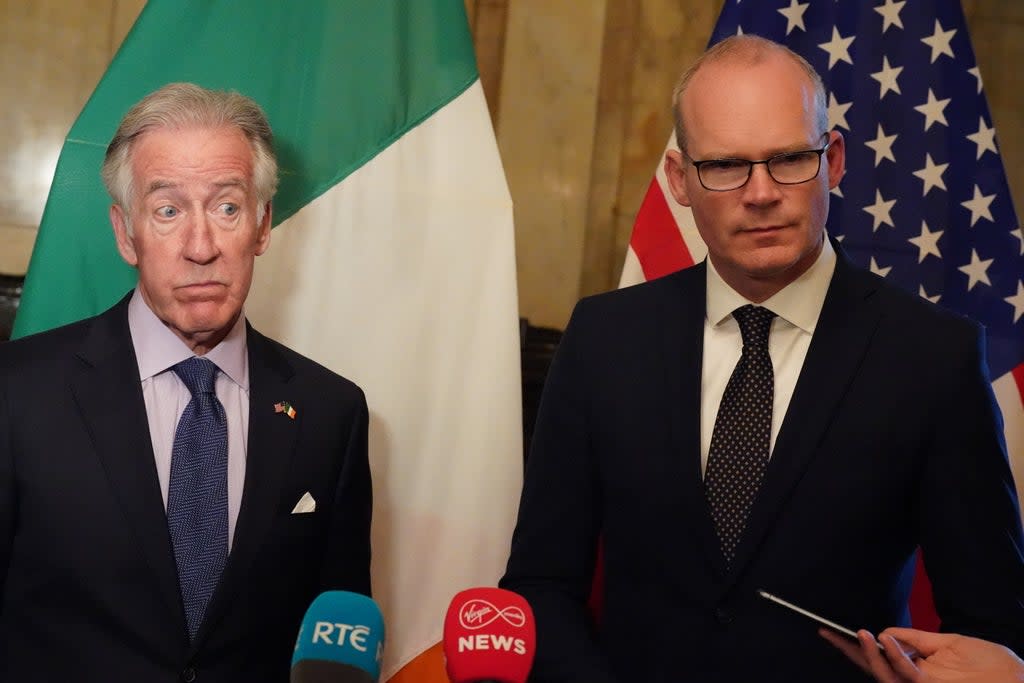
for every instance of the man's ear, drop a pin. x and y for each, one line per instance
(836, 158)
(263, 229)
(123, 236)
(675, 172)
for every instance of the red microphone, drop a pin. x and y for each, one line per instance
(489, 637)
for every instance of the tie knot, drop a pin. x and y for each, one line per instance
(198, 374)
(755, 323)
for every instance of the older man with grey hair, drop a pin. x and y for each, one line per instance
(175, 488)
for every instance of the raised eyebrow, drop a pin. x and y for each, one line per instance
(158, 185)
(231, 182)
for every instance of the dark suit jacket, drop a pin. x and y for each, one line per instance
(88, 578)
(892, 439)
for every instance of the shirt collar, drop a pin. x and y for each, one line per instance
(799, 302)
(157, 348)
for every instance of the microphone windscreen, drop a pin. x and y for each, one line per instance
(489, 635)
(340, 641)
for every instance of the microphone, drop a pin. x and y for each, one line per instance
(489, 637)
(340, 641)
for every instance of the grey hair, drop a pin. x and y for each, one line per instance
(753, 49)
(185, 105)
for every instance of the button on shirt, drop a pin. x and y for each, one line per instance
(157, 350)
(797, 307)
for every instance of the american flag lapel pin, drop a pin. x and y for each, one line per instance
(286, 408)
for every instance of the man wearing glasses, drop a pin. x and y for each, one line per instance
(773, 419)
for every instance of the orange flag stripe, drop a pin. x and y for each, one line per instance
(427, 667)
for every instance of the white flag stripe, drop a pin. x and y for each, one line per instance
(1008, 396)
(632, 271)
(684, 217)
(402, 278)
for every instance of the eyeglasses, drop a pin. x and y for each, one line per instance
(789, 168)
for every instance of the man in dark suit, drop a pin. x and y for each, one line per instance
(772, 418)
(176, 488)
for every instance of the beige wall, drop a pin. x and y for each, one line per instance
(577, 90)
(52, 54)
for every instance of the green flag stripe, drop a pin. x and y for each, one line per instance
(340, 80)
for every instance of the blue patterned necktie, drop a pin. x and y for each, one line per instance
(740, 442)
(197, 496)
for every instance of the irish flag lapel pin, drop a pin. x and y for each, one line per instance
(286, 408)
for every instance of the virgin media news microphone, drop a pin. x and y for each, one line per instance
(340, 641)
(489, 637)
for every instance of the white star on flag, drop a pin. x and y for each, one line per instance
(838, 48)
(1020, 238)
(794, 15)
(880, 210)
(890, 12)
(933, 110)
(927, 243)
(978, 206)
(882, 145)
(931, 174)
(977, 74)
(976, 270)
(985, 138)
(939, 42)
(1017, 301)
(837, 112)
(887, 78)
(878, 270)
(924, 295)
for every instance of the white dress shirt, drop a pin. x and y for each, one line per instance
(797, 307)
(157, 350)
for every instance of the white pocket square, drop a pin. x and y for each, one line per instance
(305, 504)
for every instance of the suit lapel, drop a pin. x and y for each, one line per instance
(271, 442)
(120, 433)
(847, 322)
(682, 346)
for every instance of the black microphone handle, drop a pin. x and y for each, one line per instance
(327, 671)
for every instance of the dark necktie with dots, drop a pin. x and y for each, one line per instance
(742, 436)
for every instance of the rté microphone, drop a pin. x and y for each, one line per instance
(341, 640)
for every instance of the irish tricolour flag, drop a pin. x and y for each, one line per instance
(393, 265)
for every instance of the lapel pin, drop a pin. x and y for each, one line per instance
(286, 408)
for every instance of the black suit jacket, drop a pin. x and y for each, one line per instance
(89, 585)
(892, 439)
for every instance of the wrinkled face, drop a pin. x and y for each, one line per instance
(194, 235)
(764, 235)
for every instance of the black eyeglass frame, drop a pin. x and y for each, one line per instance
(751, 164)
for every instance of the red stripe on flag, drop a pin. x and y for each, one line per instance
(656, 240)
(922, 606)
(1018, 376)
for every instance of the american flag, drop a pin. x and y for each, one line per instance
(925, 200)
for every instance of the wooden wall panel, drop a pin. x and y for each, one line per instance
(546, 121)
(52, 54)
(996, 28)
